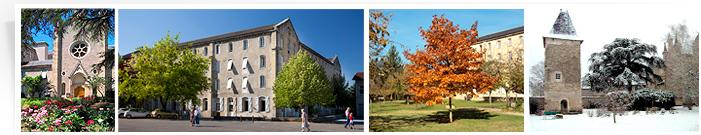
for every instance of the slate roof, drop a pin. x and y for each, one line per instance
(500, 33)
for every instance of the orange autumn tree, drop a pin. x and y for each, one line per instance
(448, 65)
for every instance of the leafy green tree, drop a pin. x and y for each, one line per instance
(35, 85)
(344, 98)
(301, 83)
(164, 71)
(624, 64)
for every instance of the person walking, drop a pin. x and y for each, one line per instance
(352, 125)
(197, 117)
(347, 120)
(192, 116)
(305, 123)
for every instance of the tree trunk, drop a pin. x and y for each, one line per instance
(508, 100)
(490, 98)
(614, 117)
(450, 108)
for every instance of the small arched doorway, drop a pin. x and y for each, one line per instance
(78, 81)
(563, 106)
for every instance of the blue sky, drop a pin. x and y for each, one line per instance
(328, 32)
(406, 23)
(45, 38)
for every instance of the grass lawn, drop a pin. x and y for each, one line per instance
(397, 116)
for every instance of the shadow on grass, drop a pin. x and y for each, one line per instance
(392, 122)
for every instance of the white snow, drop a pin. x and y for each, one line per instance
(684, 120)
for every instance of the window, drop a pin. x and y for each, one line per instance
(558, 76)
(262, 42)
(230, 65)
(205, 51)
(489, 45)
(204, 104)
(215, 84)
(231, 104)
(79, 50)
(509, 42)
(499, 57)
(262, 61)
(261, 104)
(194, 50)
(216, 66)
(229, 83)
(245, 104)
(231, 47)
(520, 39)
(245, 44)
(245, 83)
(262, 81)
(217, 105)
(244, 66)
(288, 47)
(216, 50)
(498, 44)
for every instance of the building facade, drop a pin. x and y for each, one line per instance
(563, 91)
(359, 90)
(68, 65)
(243, 68)
(681, 71)
(502, 46)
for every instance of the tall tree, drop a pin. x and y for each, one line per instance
(340, 91)
(624, 64)
(448, 65)
(379, 38)
(393, 68)
(514, 77)
(164, 71)
(537, 79)
(301, 83)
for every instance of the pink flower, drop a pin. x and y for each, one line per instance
(51, 128)
(108, 109)
(85, 127)
(69, 122)
(100, 109)
(90, 122)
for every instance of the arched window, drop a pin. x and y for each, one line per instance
(262, 61)
(262, 101)
(79, 50)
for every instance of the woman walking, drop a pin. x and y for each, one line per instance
(305, 123)
(192, 116)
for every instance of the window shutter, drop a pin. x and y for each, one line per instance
(267, 104)
(221, 104)
(257, 104)
(230, 65)
(240, 102)
(249, 105)
(229, 83)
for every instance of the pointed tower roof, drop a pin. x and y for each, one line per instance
(563, 28)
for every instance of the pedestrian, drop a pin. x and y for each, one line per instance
(305, 123)
(197, 117)
(347, 120)
(352, 125)
(192, 116)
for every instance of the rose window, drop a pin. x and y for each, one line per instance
(79, 50)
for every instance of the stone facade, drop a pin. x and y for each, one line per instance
(243, 67)
(359, 96)
(68, 65)
(681, 69)
(563, 91)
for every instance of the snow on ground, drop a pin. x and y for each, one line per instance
(684, 121)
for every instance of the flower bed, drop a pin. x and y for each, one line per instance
(66, 115)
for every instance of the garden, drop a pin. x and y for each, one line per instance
(75, 114)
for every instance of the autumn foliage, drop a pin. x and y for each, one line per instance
(448, 65)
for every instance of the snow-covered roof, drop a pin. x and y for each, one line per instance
(563, 28)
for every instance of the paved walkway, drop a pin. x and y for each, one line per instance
(169, 125)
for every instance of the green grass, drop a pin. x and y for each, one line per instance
(397, 116)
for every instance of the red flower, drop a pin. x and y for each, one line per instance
(81, 107)
(69, 122)
(51, 128)
(74, 107)
(35, 107)
(55, 101)
(90, 122)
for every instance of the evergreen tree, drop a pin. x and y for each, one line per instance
(624, 64)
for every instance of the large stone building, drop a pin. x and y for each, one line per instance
(359, 92)
(67, 66)
(681, 71)
(563, 91)
(243, 67)
(503, 46)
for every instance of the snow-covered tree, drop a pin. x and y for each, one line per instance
(617, 102)
(624, 64)
(537, 79)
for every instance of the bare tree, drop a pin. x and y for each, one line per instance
(537, 79)
(681, 54)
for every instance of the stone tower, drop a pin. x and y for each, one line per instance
(563, 91)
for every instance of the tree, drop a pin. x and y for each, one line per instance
(35, 85)
(393, 68)
(624, 64)
(95, 82)
(537, 79)
(617, 102)
(164, 71)
(378, 35)
(344, 98)
(92, 24)
(302, 82)
(448, 65)
(498, 69)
